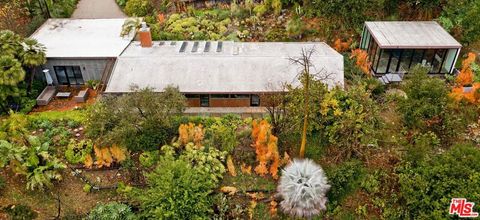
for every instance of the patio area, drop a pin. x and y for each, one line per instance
(65, 99)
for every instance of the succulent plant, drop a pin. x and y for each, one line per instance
(303, 187)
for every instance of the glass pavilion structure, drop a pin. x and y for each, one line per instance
(397, 46)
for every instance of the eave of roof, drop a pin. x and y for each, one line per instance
(411, 34)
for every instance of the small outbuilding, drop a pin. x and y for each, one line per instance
(394, 47)
(79, 50)
(220, 73)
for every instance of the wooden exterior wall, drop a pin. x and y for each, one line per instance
(221, 102)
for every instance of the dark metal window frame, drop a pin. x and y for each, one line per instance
(251, 100)
(454, 59)
(204, 97)
(443, 60)
(76, 75)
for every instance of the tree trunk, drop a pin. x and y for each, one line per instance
(306, 112)
(33, 70)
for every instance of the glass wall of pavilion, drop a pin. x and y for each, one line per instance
(400, 60)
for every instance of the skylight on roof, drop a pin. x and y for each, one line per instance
(183, 47)
(219, 46)
(207, 47)
(195, 47)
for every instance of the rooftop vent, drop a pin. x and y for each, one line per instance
(183, 47)
(173, 43)
(219, 46)
(161, 43)
(207, 47)
(195, 47)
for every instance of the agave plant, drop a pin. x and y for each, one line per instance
(303, 187)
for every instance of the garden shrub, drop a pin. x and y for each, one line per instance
(423, 145)
(139, 120)
(77, 151)
(428, 187)
(222, 135)
(295, 27)
(138, 8)
(208, 161)
(427, 106)
(176, 190)
(260, 10)
(344, 179)
(20, 212)
(87, 188)
(35, 162)
(149, 158)
(348, 120)
(112, 210)
(208, 26)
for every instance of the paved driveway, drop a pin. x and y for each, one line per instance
(98, 9)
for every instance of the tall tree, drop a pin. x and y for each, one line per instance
(306, 75)
(33, 55)
(16, 54)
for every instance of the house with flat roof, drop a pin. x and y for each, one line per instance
(209, 73)
(81, 49)
(394, 47)
(220, 73)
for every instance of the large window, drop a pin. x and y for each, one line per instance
(449, 60)
(383, 60)
(404, 65)
(254, 100)
(204, 100)
(69, 75)
(440, 61)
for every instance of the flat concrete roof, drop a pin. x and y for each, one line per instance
(237, 67)
(82, 38)
(411, 34)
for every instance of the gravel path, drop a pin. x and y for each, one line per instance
(98, 9)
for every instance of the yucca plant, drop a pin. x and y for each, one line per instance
(303, 187)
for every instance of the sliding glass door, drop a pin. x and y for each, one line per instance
(69, 75)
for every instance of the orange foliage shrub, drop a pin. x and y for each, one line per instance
(361, 60)
(88, 161)
(246, 169)
(105, 156)
(265, 144)
(472, 96)
(191, 133)
(161, 18)
(273, 207)
(342, 46)
(465, 78)
(231, 166)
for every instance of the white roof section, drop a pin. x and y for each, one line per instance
(411, 34)
(238, 67)
(82, 38)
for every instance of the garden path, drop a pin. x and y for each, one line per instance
(98, 9)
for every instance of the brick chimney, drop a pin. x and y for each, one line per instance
(145, 36)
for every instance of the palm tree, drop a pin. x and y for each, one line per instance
(33, 55)
(303, 187)
(11, 73)
(9, 43)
